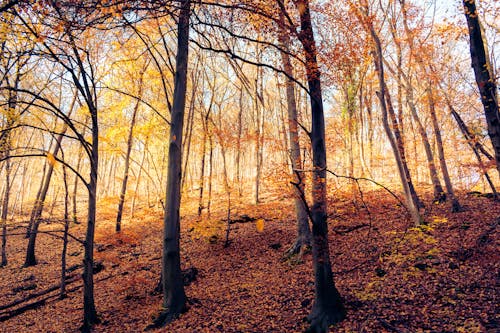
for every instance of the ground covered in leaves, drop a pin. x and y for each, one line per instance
(440, 277)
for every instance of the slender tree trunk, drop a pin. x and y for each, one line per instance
(439, 195)
(238, 145)
(138, 180)
(327, 308)
(485, 81)
(258, 144)
(62, 292)
(5, 201)
(474, 145)
(393, 138)
(130, 141)
(210, 172)
(303, 231)
(472, 140)
(37, 199)
(202, 171)
(455, 205)
(30, 258)
(437, 132)
(174, 297)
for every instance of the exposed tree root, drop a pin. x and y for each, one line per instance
(321, 319)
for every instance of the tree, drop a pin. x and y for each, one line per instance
(393, 133)
(303, 230)
(485, 81)
(174, 297)
(130, 139)
(328, 308)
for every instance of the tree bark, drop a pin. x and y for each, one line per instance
(327, 308)
(174, 297)
(485, 81)
(303, 230)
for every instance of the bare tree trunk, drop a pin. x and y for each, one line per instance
(174, 297)
(130, 141)
(474, 145)
(30, 258)
(259, 112)
(455, 205)
(37, 198)
(203, 159)
(393, 137)
(303, 231)
(485, 81)
(238, 145)
(138, 180)
(5, 201)
(327, 308)
(439, 195)
(62, 292)
(210, 173)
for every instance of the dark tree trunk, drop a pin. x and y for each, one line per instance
(484, 80)
(89, 310)
(62, 291)
(303, 231)
(174, 297)
(474, 145)
(36, 215)
(327, 308)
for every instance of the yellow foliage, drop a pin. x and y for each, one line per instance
(437, 219)
(259, 225)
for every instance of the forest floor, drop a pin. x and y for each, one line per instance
(440, 277)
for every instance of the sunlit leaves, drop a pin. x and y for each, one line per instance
(259, 225)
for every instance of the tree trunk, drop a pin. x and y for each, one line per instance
(439, 195)
(455, 205)
(130, 141)
(474, 145)
(484, 80)
(303, 231)
(36, 213)
(5, 200)
(30, 259)
(203, 159)
(138, 180)
(174, 297)
(395, 144)
(89, 310)
(62, 291)
(327, 308)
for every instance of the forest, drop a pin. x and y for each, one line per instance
(249, 166)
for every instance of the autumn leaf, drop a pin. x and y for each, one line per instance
(51, 159)
(259, 225)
